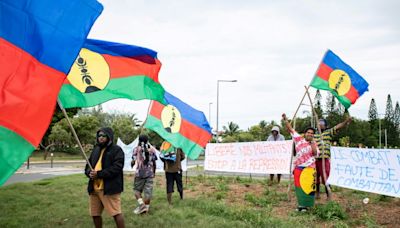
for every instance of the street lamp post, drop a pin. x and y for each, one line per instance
(380, 141)
(218, 81)
(380, 132)
(209, 113)
(386, 138)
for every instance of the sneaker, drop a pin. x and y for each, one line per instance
(136, 211)
(301, 209)
(140, 209)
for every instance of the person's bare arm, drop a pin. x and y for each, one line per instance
(314, 148)
(288, 125)
(344, 123)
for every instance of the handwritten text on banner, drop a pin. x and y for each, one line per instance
(249, 157)
(370, 170)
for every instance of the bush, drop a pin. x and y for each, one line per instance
(330, 211)
(68, 150)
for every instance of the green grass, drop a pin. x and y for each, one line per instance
(63, 201)
(330, 211)
(209, 202)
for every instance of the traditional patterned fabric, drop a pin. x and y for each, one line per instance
(327, 136)
(304, 182)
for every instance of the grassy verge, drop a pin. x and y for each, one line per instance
(209, 202)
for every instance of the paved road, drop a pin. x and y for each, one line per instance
(42, 170)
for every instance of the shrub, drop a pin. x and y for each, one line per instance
(330, 211)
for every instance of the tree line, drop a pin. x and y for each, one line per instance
(379, 130)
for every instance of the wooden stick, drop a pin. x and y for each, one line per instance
(298, 107)
(74, 133)
(148, 111)
(322, 143)
(291, 157)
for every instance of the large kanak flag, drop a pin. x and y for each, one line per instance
(340, 79)
(39, 41)
(179, 124)
(106, 70)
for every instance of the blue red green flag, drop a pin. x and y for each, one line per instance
(107, 70)
(39, 41)
(340, 79)
(180, 124)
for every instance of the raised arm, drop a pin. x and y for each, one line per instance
(344, 123)
(288, 125)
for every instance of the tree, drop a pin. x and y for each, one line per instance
(256, 132)
(232, 129)
(373, 123)
(373, 111)
(396, 116)
(330, 104)
(154, 138)
(389, 124)
(389, 109)
(245, 137)
(229, 139)
(318, 103)
(57, 116)
(340, 109)
(124, 129)
(60, 136)
(86, 127)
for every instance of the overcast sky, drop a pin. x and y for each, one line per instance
(272, 48)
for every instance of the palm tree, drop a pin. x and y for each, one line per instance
(232, 129)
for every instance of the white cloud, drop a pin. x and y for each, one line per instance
(271, 47)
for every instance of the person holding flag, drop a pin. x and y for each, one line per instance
(106, 179)
(304, 171)
(347, 86)
(172, 157)
(324, 140)
(145, 157)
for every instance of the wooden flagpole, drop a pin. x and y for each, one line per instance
(294, 116)
(74, 133)
(323, 146)
(148, 111)
(291, 157)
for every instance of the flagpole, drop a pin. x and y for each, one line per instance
(298, 107)
(291, 157)
(294, 116)
(74, 133)
(322, 143)
(148, 111)
(290, 174)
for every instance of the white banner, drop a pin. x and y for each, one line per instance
(128, 151)
(249, 157)
(369, 170)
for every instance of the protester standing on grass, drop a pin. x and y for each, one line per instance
(304, 165)
(106, 180)
(324, 146)
(144, 155)
(172, 158)
(275, 136)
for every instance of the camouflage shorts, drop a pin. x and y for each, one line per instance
(144, 185)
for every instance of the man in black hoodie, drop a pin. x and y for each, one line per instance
(106, 179)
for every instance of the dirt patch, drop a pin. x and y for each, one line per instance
(384, 211)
